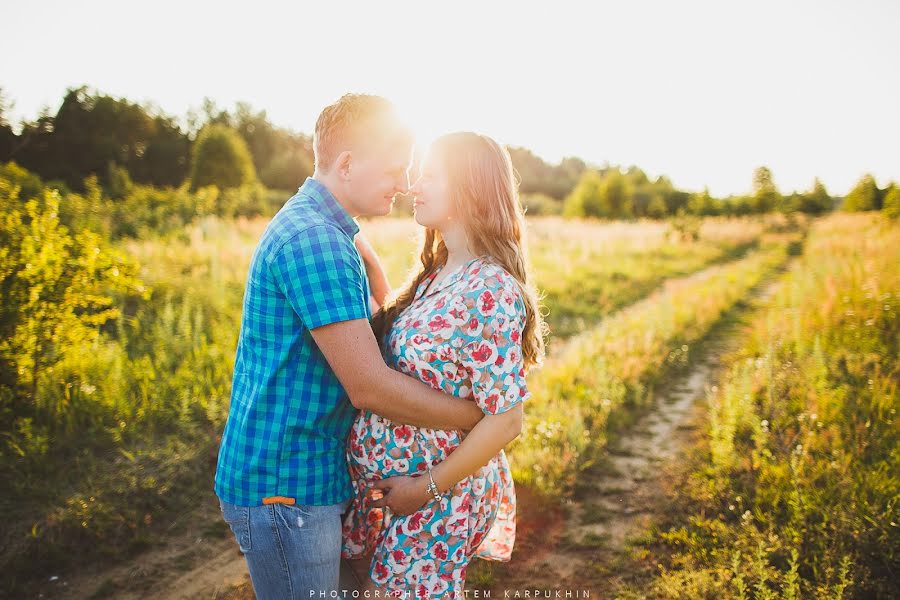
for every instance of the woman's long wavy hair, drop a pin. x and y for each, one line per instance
(483, 188)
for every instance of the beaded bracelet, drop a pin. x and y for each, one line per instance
(432, 487)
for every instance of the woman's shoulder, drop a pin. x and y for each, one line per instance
(487, 272)
(487, 275)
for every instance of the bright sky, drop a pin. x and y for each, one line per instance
(703, 92)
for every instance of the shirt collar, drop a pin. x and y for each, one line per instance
(328, 205)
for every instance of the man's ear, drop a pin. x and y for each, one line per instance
(342, 164)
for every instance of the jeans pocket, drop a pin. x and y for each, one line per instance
(238, 518)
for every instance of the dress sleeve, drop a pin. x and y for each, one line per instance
(491, 352)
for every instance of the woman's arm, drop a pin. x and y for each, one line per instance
(378, 281)
(491, 435)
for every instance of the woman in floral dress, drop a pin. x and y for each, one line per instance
(468, 324)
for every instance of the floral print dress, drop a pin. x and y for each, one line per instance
(462, 337)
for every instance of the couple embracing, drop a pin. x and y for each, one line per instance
(367, 424)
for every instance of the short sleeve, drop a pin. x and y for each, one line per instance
(491, 352)
(319, 272)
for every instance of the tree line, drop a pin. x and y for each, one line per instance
(122, 144)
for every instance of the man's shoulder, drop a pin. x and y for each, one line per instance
(299, 224)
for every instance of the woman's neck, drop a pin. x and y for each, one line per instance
(458, 252)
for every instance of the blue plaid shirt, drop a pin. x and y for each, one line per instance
(289, 414)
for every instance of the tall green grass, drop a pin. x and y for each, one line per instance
(594, 380)
(798, 491)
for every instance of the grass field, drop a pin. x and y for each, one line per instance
(795, 490)
(802, 431)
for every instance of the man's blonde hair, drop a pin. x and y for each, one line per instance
(355, 119)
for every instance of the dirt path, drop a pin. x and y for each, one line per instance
(616, 499)
(199, 560)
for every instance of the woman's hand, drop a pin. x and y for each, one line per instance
(403, 494)
(364, 248)
(378, 282)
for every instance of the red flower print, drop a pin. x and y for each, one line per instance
(487, 305)
(437, 323)
(446, 353)
(404, 435)
(482, 352)
(420, 340)
(438, 529)
(415, 520)
(429, 375)
(440, 551)
(381, 572)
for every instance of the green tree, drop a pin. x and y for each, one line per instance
(540, 204)
(616, 194)
(58, 289)
(539, 177)
(765, 194)
(891, 206)
(118, 181)
(8, 138)
(283, 159)
(864, 196)
(657, 208)
(90, 130)
(221, 158)
(702, 203)
(817, 200)
(585, 199)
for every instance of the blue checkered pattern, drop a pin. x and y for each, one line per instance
(289, 414)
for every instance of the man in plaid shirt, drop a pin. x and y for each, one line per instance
(307, 358)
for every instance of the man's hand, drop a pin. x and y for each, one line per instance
(403, 494)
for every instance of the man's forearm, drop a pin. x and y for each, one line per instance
(403, 399)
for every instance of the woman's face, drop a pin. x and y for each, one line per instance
(432, 206)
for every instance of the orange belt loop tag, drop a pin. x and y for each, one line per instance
(279, 499)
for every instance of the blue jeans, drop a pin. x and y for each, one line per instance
(291, 551)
